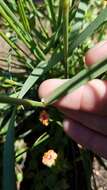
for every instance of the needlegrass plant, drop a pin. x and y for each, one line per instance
(45, 39)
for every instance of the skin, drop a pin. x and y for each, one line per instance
(85, 109)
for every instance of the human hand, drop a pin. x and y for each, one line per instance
(85, 109)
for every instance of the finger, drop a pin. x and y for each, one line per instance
(92, 121)
(86, 137)
(97, 53)
(91, 97)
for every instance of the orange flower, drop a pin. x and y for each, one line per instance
(44, 118)
(49, 158)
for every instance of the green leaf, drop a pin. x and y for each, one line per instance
(14, 26)
(50, 10)
(36, 73)
(14, 18)
(42, 68)
(24, 19)
(41, 139)
(101, 18)
(9, 159)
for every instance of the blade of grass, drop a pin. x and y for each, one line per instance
(10, 42)
(15, 27)
(23, 16)
(37, 13)
(27, 40)
(9, 81)
(80, 79)
(51, 13)
(16, 48)
(39, 35)
(40, 140)
(33, 77)
(65, 7)
(59, 14)
(101, 18)
(41, 69)
(13, 18)
(53, 40)
(39, 16)
(9, 158)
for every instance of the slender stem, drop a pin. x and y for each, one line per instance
(65, 34)
(50, 8)
(18, 101)
(40, 140)
(59, 13)
(19, 31)
(16, 48)
(16, 29)
(10, 42)
(24, 151)
(23, 16)
(9, 81)
(14, 18)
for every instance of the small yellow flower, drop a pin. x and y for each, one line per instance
(49, 158)
(44, 118)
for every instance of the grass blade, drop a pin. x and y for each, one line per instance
(101, 18)
(16, 48)
(13, 18)
(15, 27)
(65, 7)
(40, 140)
(23, 16)
(50, 10)
(80, 79)
(28, 42)
(59, 13)
(34, 76)
(9, 157)
(42, 68)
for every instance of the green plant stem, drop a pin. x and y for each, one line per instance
(59, 14)
(5, 12)
(9, 156)
(16, 48)
(33, 6)
(16, 29)
(14, 18)
(50, 9)
(10, 42)
(65, 34)
(18, 101)
(23, 16)
(9, 81)
(40, 140)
